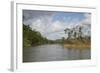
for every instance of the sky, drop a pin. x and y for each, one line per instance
(51, 24)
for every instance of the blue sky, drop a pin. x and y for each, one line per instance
(68, 16)
(51, 24)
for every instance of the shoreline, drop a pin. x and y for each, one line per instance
(78, 46)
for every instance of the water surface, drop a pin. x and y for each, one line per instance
(54, 52)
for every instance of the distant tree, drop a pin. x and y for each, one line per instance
(63, 39)
(75, 34)
(69, 32)
(80, 33)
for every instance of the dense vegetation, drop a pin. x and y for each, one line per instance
(32, 37)
(75, 38)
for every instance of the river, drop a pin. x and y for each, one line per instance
(54, 52)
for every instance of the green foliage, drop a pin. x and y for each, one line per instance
(26, 42)
(76, 36)
(32, 37)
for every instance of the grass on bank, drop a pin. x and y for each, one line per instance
(76, 43)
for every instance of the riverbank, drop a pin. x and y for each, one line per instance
(77, 43)
(79, 46)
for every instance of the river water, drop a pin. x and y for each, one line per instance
(54, 52)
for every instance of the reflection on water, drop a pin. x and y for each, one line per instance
(54, 52)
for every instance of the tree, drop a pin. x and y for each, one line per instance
(75, 34)
(33, 37)
(69, 32)
(80, 33)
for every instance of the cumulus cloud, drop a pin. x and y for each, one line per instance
(87, 19)
(43, 21)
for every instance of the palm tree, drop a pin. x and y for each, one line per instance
(80, 33)
(69, 32)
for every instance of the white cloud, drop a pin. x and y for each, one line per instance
(48, 28)
(87, 19)
(56, 26)
(55, 29)
(37, 25)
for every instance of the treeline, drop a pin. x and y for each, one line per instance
(77, 36)
(33, 37)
